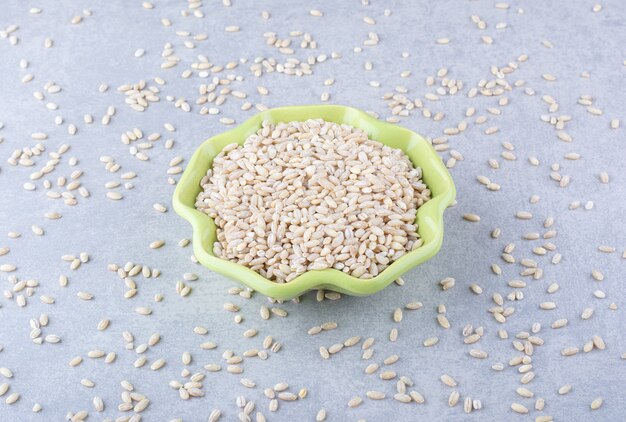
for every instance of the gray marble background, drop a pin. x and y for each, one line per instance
(101, 50)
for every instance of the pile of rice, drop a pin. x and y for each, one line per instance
(312, 195)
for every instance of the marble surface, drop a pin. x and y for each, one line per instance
(101, 49)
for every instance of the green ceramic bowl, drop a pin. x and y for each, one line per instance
(429, 216)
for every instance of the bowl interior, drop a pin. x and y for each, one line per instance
(429, 216)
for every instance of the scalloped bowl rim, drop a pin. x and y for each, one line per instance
(429, 215)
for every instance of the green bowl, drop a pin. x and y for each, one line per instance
(429, 215)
